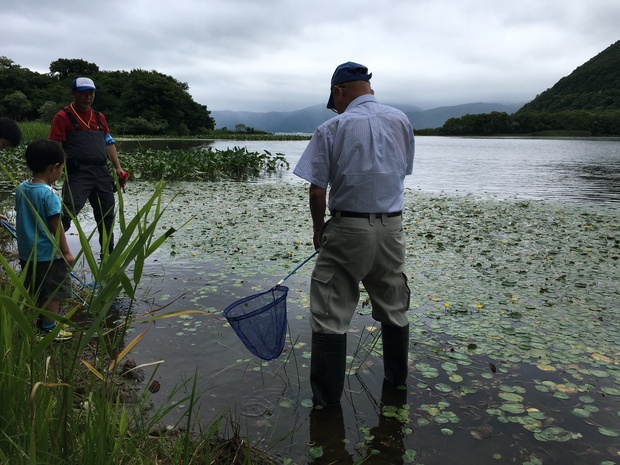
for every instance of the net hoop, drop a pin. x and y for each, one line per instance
(260, 321)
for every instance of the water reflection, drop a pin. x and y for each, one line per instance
(388, 435)
(327, 434)
(383, 443)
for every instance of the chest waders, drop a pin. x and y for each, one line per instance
(89, 178)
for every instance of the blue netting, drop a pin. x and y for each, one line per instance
(260, 321)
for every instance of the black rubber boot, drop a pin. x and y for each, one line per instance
(395, 353)
(327, 368)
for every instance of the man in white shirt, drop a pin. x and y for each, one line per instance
(362, 156)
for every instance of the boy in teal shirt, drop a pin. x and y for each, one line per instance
(44, 254)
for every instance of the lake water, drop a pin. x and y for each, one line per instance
(270, 399)
(566, 170)
(543, 169)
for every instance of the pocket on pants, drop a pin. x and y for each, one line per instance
(320, 290)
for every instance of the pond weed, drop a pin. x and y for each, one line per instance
(531, 292)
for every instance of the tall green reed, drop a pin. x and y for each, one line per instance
(32, 130)
(61, 402)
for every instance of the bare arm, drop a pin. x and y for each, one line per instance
(58, 231)
(318, 205)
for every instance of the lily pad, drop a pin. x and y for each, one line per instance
(581, 413)
(315, 452)
(554, 433)
(512, 408)
(612, 433)
(611, 391)
(511, 397)
(409, 456)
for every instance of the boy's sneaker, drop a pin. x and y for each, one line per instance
(63, 335)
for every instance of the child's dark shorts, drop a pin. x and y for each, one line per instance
(48, 279)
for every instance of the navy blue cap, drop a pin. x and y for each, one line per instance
(347, 72)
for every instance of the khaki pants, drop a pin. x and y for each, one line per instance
(353, 250)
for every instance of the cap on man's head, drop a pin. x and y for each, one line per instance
(81, 84)
(347, 72)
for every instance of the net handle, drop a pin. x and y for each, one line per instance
(296, 268)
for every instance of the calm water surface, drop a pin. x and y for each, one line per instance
(568, 170)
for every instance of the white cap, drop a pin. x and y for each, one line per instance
(81, 84)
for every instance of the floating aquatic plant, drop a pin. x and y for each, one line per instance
(530, 331)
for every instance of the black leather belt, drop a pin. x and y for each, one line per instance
(365, 215)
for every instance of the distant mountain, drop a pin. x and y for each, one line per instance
(436, 117)
(593, 86)
(307, 119)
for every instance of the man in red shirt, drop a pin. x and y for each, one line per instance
(85, 137)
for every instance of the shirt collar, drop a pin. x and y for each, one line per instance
(359, 100)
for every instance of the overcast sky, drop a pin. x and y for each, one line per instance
(279, 55)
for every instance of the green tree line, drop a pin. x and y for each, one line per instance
(584, 103)
(593, 86)
(136, 102)
(568, 122)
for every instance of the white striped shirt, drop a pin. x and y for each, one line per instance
(363, 155)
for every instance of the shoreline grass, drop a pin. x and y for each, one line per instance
(78, 402)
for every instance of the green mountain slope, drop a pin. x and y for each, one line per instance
(593, 86)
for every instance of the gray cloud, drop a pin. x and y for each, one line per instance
(279, 55)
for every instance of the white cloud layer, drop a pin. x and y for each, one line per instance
(259, 55)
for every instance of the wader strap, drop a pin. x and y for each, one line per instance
(77, 125)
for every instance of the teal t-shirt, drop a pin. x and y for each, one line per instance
(34, 239)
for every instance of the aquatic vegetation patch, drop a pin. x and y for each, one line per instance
(202, 164)
(514, 307)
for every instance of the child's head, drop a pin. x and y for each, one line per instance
(10, 134)
(42, 153)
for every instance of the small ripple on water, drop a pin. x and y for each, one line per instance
(256, 407)
(263, 403)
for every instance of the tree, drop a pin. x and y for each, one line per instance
(154, 96)
(133, 101)
(66, 68)
(48, 110)
(7, 63)
(16, 105)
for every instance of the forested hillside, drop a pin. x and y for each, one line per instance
(594, 86)
(134, 102)
(585, 103)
